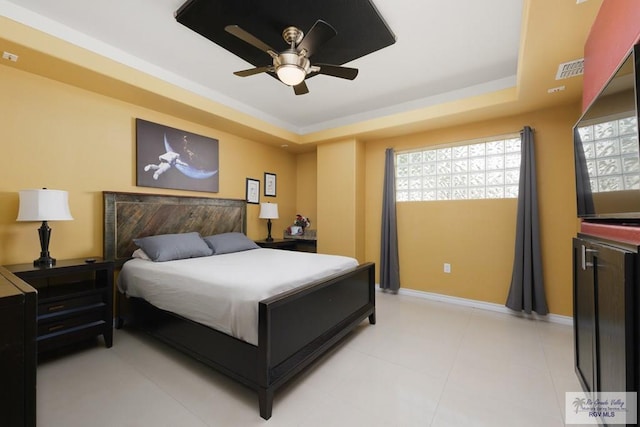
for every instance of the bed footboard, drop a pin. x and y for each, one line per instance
(297, 327)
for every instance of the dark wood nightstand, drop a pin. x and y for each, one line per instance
(75, 300)
(18, 355)
(287, 244)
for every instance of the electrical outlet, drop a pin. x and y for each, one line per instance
(10, 56)
(447, 267)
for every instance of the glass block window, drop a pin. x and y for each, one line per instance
(477, 170)
(611, 152)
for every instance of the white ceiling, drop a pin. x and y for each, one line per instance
(445, 50)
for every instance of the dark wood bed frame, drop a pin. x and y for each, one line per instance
(294, 328)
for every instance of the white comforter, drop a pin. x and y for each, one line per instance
(223, 291)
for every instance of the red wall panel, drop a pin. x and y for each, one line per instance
(615, 30)
(613, 34)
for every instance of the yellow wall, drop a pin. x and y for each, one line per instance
(62, 137)
(306, 188)
(340, 198)
(477, 237)
(360, 176)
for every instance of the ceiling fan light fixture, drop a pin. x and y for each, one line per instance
(292, 66)
(290, 74)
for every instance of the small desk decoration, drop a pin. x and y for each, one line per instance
(300, 223)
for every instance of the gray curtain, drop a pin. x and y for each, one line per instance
(389, 265)
(527, 288)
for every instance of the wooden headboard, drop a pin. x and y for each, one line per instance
(131, 215)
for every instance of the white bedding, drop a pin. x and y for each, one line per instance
(223, 291)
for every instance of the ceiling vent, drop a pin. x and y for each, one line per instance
(570, 69)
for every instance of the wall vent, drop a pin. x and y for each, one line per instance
(570, 69)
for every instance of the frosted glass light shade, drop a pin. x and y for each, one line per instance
(268, 211)
(44, 205)
(291, 75)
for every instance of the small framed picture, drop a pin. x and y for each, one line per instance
(253, 191)
(270, 184)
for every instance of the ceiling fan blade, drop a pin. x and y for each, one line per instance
(252, 71)
(301, 88)
(337, 71)
(251, 39)
(319, 34)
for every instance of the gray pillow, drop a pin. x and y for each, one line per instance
(229, 242)
(168, 247)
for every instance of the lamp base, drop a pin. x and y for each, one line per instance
(44, 261)
(269, 238)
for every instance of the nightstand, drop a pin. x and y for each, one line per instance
(17, 351)
(75, 300)
(278, 244)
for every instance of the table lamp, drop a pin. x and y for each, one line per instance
(44, 205)
(268, 211)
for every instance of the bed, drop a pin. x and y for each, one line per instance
(295, 327)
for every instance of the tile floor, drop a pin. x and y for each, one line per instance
(424, 363)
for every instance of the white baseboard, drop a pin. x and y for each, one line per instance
(553, 318)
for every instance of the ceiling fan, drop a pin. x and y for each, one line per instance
(292, 65)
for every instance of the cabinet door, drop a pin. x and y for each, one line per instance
(613, 270)
(584, 314)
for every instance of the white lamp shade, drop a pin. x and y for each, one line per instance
(291, 75)
(268, 211)
(44, 205)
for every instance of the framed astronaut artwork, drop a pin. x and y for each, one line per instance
(176, 159)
